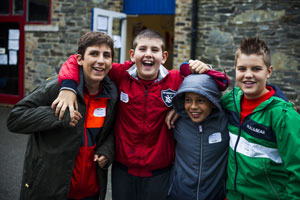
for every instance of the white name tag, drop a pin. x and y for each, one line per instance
(215, 138)
(124, 97)
(100, 112)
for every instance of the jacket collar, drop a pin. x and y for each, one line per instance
(162, 72)
(109, 89)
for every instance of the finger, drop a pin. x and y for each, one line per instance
(102, 163)
(72, 113)
(53, 105)
(58, 107)
(96, 157)
(72, 124)
(76, 104)
(167, 121)
(176, 116)
(191, 61)
(62, 112)
(101, 158)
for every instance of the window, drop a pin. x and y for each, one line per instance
(38, 11)
(4, 8)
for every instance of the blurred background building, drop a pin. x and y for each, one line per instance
(37, 36)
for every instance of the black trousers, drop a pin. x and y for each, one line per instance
(128, 187)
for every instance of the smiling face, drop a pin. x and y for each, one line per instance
(148, 56)
(96, 64)
(197, 106)
(252, 74)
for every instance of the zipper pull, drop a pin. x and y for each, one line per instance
(200, 128)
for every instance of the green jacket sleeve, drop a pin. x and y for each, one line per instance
(288, 141)
(34, 113)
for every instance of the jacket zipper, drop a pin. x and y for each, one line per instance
(200, 164)
(85, 145)
(237, 141)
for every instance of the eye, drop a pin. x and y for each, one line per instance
(241, 68)
(200, 101)
(155, 49)
(142, 48)
(94, 53)
(106, 55)
(256, 68)
(187, 100)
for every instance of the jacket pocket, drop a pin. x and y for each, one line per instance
(34, 172)
(269, 180)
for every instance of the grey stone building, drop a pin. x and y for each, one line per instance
(202, 29)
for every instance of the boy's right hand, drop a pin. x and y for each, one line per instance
(198, 67)
(170, 119)
(66, 99)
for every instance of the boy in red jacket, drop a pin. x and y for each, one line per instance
(144, 145)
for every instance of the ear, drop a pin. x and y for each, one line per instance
(131, 54)
(165, 57)
(270, 71)
(79, 59)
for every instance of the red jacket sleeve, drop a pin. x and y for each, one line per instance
(117, 71)
(69, 70)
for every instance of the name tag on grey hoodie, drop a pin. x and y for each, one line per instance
(214, 138)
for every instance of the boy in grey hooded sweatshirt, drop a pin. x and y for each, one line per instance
(202, 139)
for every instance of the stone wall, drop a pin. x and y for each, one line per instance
(223, 24)
(47, 47)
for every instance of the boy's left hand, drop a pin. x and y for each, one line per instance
(101, 160)
(198, 67)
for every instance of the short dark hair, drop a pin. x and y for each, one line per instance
(148, 33)
(254, 46)
(94, 38)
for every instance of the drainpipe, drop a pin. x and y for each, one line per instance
(194, 28)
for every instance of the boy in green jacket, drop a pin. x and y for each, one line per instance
(264, 153)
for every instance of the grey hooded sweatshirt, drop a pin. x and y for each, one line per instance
(199, 171)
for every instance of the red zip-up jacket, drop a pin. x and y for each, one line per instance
(84, 182)
(143, 141)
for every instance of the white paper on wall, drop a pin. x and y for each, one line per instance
(2, 50)
(117, 41)
(13, 44)
(13, 57)
(3, 59)
(13, 34)
(102, 23)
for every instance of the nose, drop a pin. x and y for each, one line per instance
(148, 52)
(248, 74)
(194, 105)
(100, 58)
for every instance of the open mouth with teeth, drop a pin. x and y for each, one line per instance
(98, 70)
(195, 114)
(148, 63)
(248, 83)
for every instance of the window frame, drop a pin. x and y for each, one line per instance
(24, 15)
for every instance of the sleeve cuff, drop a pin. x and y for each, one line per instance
(69, 85)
